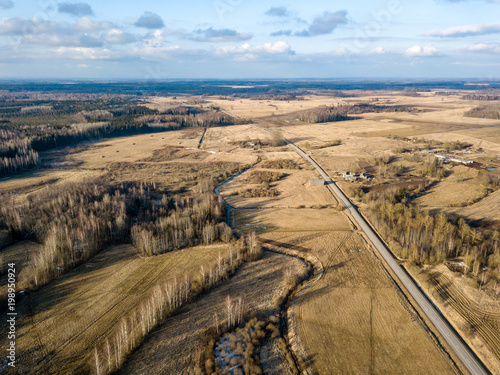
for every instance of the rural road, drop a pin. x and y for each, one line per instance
(467, 357)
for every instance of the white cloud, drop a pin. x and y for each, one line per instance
(427, 51)
(245, 49)
(377, 51)
(481, 47)
(467, 30)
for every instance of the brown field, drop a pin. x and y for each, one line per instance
(66, 318)
(293, 190)
(375, 329)
(353, 320)
(474, 314)
(487, 208)
(289, 219)
(173, 347)
(19, 254)
(248, 109)
(131, 149)
(460, 188)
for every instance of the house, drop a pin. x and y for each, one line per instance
(364, 176)
(349, 176)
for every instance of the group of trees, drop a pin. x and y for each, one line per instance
(342, 112)
(426, 238)
(76, 221)
(111, 352)
(72, 224)
(478, 96)
(488, 111)
(197, 221)
(188, 119)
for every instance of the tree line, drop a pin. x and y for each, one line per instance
(342, 112)
(110, 353)
(76, 221)
(423, 237)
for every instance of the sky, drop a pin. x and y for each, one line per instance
(241, 39)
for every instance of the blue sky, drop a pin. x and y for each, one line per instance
(249, 39)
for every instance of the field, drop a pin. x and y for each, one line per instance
(66, 318)
(352, 318)
(461, 187)
(475, 314)
(486, 209)
(248, 108)
(172, 349)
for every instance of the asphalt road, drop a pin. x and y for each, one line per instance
(463, 352)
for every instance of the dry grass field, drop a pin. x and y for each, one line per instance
(353, 320)
(289, 219)
(249, 109)
(474, 314)
(293, 191)
(66, 318)
(487, 208)
(173, 347)
(19, 254)
(461, 187)
(132, 149)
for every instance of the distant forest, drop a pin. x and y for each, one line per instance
(34, 122)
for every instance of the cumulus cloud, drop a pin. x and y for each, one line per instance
(324, 24)
(278, 12)
(219, 35)
(467, 30)
(150, 20)
(481, 47)
(117, 36)
(418, 51)
(75, 9)
(247, 52)
(82, 33)
(377, 51)
(6, 4)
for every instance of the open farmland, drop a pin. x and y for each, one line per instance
(487, 208)
(349, 318)
(461, 187)
(173, 347)
(353, 320)
(67, 317)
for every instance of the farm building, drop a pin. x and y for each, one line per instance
(447, 158)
